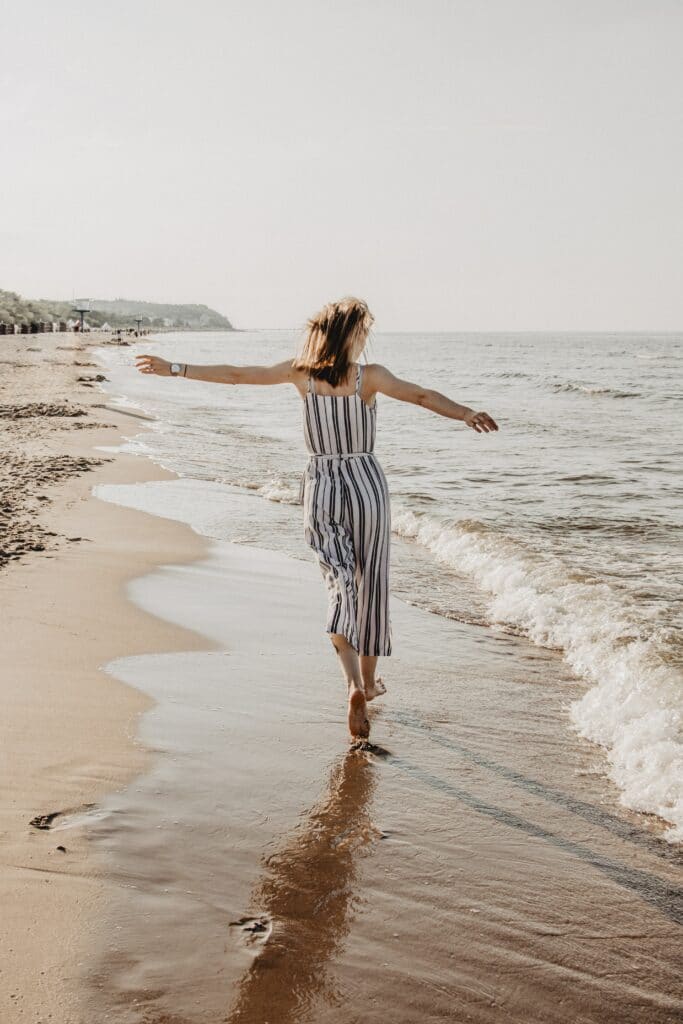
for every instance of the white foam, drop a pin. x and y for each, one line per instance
(279, 490)
(649, 354)
(634, 708)
(595, 389)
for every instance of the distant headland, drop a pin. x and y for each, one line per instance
(21, 314)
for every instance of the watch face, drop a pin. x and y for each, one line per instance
(175, 367)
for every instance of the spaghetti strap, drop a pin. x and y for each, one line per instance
(310, 388)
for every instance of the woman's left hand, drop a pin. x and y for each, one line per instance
(481, 422)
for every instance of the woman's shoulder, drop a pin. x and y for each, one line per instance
(298, 376)
(373, 372)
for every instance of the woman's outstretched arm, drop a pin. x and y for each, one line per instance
(378, 378)
(280, 373)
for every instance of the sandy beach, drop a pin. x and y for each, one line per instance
(217, 853)
(68, 730)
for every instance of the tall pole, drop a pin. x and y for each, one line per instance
(82, 308)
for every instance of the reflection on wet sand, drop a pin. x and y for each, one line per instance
(302, 904)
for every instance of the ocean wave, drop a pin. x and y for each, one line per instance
(633, 708)
(278, 490)
(509, 375)
(594, 389)
(649, 354)
(607, 526)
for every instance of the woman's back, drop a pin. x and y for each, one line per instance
(339, 422)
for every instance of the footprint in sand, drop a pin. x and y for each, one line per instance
(366, 747)
(44, 821)
(254, 931)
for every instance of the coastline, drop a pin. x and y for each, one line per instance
(238, 861)
(69, 730)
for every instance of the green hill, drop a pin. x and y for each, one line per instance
(191, 317)
(116, 312)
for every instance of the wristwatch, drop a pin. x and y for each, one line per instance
(175, 369)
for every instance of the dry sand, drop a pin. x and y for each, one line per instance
(470, 867)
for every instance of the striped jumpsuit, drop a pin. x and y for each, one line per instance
(347, 518)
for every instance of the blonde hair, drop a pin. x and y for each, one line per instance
(331, 336)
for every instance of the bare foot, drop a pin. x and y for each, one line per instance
(375, 689)
(359, 726)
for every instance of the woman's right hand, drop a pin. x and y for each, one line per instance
(153, 364)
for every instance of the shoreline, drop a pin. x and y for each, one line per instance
(463, 867)
(69, 734)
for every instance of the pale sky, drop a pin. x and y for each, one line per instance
(460, 164)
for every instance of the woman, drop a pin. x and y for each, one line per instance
(347, 518)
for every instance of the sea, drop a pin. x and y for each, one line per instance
(564, 527)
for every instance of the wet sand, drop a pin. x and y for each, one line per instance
(468, 866)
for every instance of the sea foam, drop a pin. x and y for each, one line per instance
(594, 389)
(633, 708)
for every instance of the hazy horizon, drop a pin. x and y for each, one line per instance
(464, 167)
